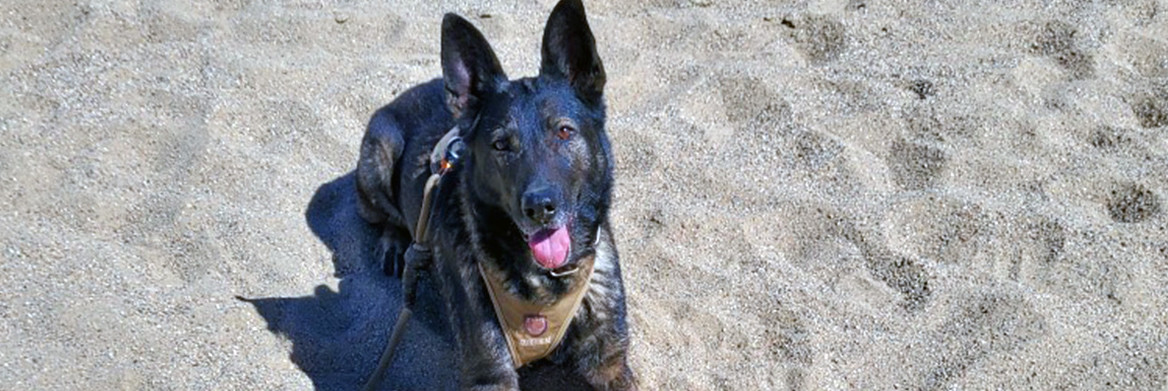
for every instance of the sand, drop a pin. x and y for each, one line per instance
(811, 194)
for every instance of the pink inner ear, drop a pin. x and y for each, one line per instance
(462, 74)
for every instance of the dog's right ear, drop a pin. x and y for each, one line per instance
(569, 50)
(469, 66)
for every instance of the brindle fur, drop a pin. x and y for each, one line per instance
(483, 219)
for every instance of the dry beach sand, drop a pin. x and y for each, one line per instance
(857, 194)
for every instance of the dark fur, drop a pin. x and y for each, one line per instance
(489, 210)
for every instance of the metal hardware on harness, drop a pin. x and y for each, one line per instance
(443, 160)
(564, 271)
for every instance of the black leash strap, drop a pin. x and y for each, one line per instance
(444, 159)
(417, 257)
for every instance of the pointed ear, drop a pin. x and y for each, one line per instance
(469, 66)
(569, 50)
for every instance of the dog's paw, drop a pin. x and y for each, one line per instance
(490, 378)
(391, 249)
(494, 387)
(612, 376)
(623, 381)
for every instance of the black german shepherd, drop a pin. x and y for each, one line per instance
(531, 198)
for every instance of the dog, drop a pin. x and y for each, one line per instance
(528, 205)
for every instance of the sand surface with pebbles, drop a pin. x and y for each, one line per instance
(856, 194)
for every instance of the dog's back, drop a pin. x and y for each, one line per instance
(397, 137)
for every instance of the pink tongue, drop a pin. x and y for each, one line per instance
(550, 247)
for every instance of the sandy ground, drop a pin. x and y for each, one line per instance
(812, 194)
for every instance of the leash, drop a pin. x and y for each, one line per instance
(443, 160)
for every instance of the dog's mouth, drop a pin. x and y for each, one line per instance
(550, 247)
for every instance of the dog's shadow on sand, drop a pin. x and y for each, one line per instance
(337, 337)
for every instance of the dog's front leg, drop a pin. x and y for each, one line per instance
(600, 336)
(485, 362)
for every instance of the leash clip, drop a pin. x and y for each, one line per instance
(447, 153)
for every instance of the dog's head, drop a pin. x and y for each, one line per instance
(539, 169)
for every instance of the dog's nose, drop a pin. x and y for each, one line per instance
(539, 205)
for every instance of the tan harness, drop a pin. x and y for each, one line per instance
(534, 331)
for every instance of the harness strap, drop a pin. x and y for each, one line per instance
(534, 331)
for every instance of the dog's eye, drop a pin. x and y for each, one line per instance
(501, 145)
(565, 132)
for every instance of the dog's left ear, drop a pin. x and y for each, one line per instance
(569, 50)
(469, 66)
